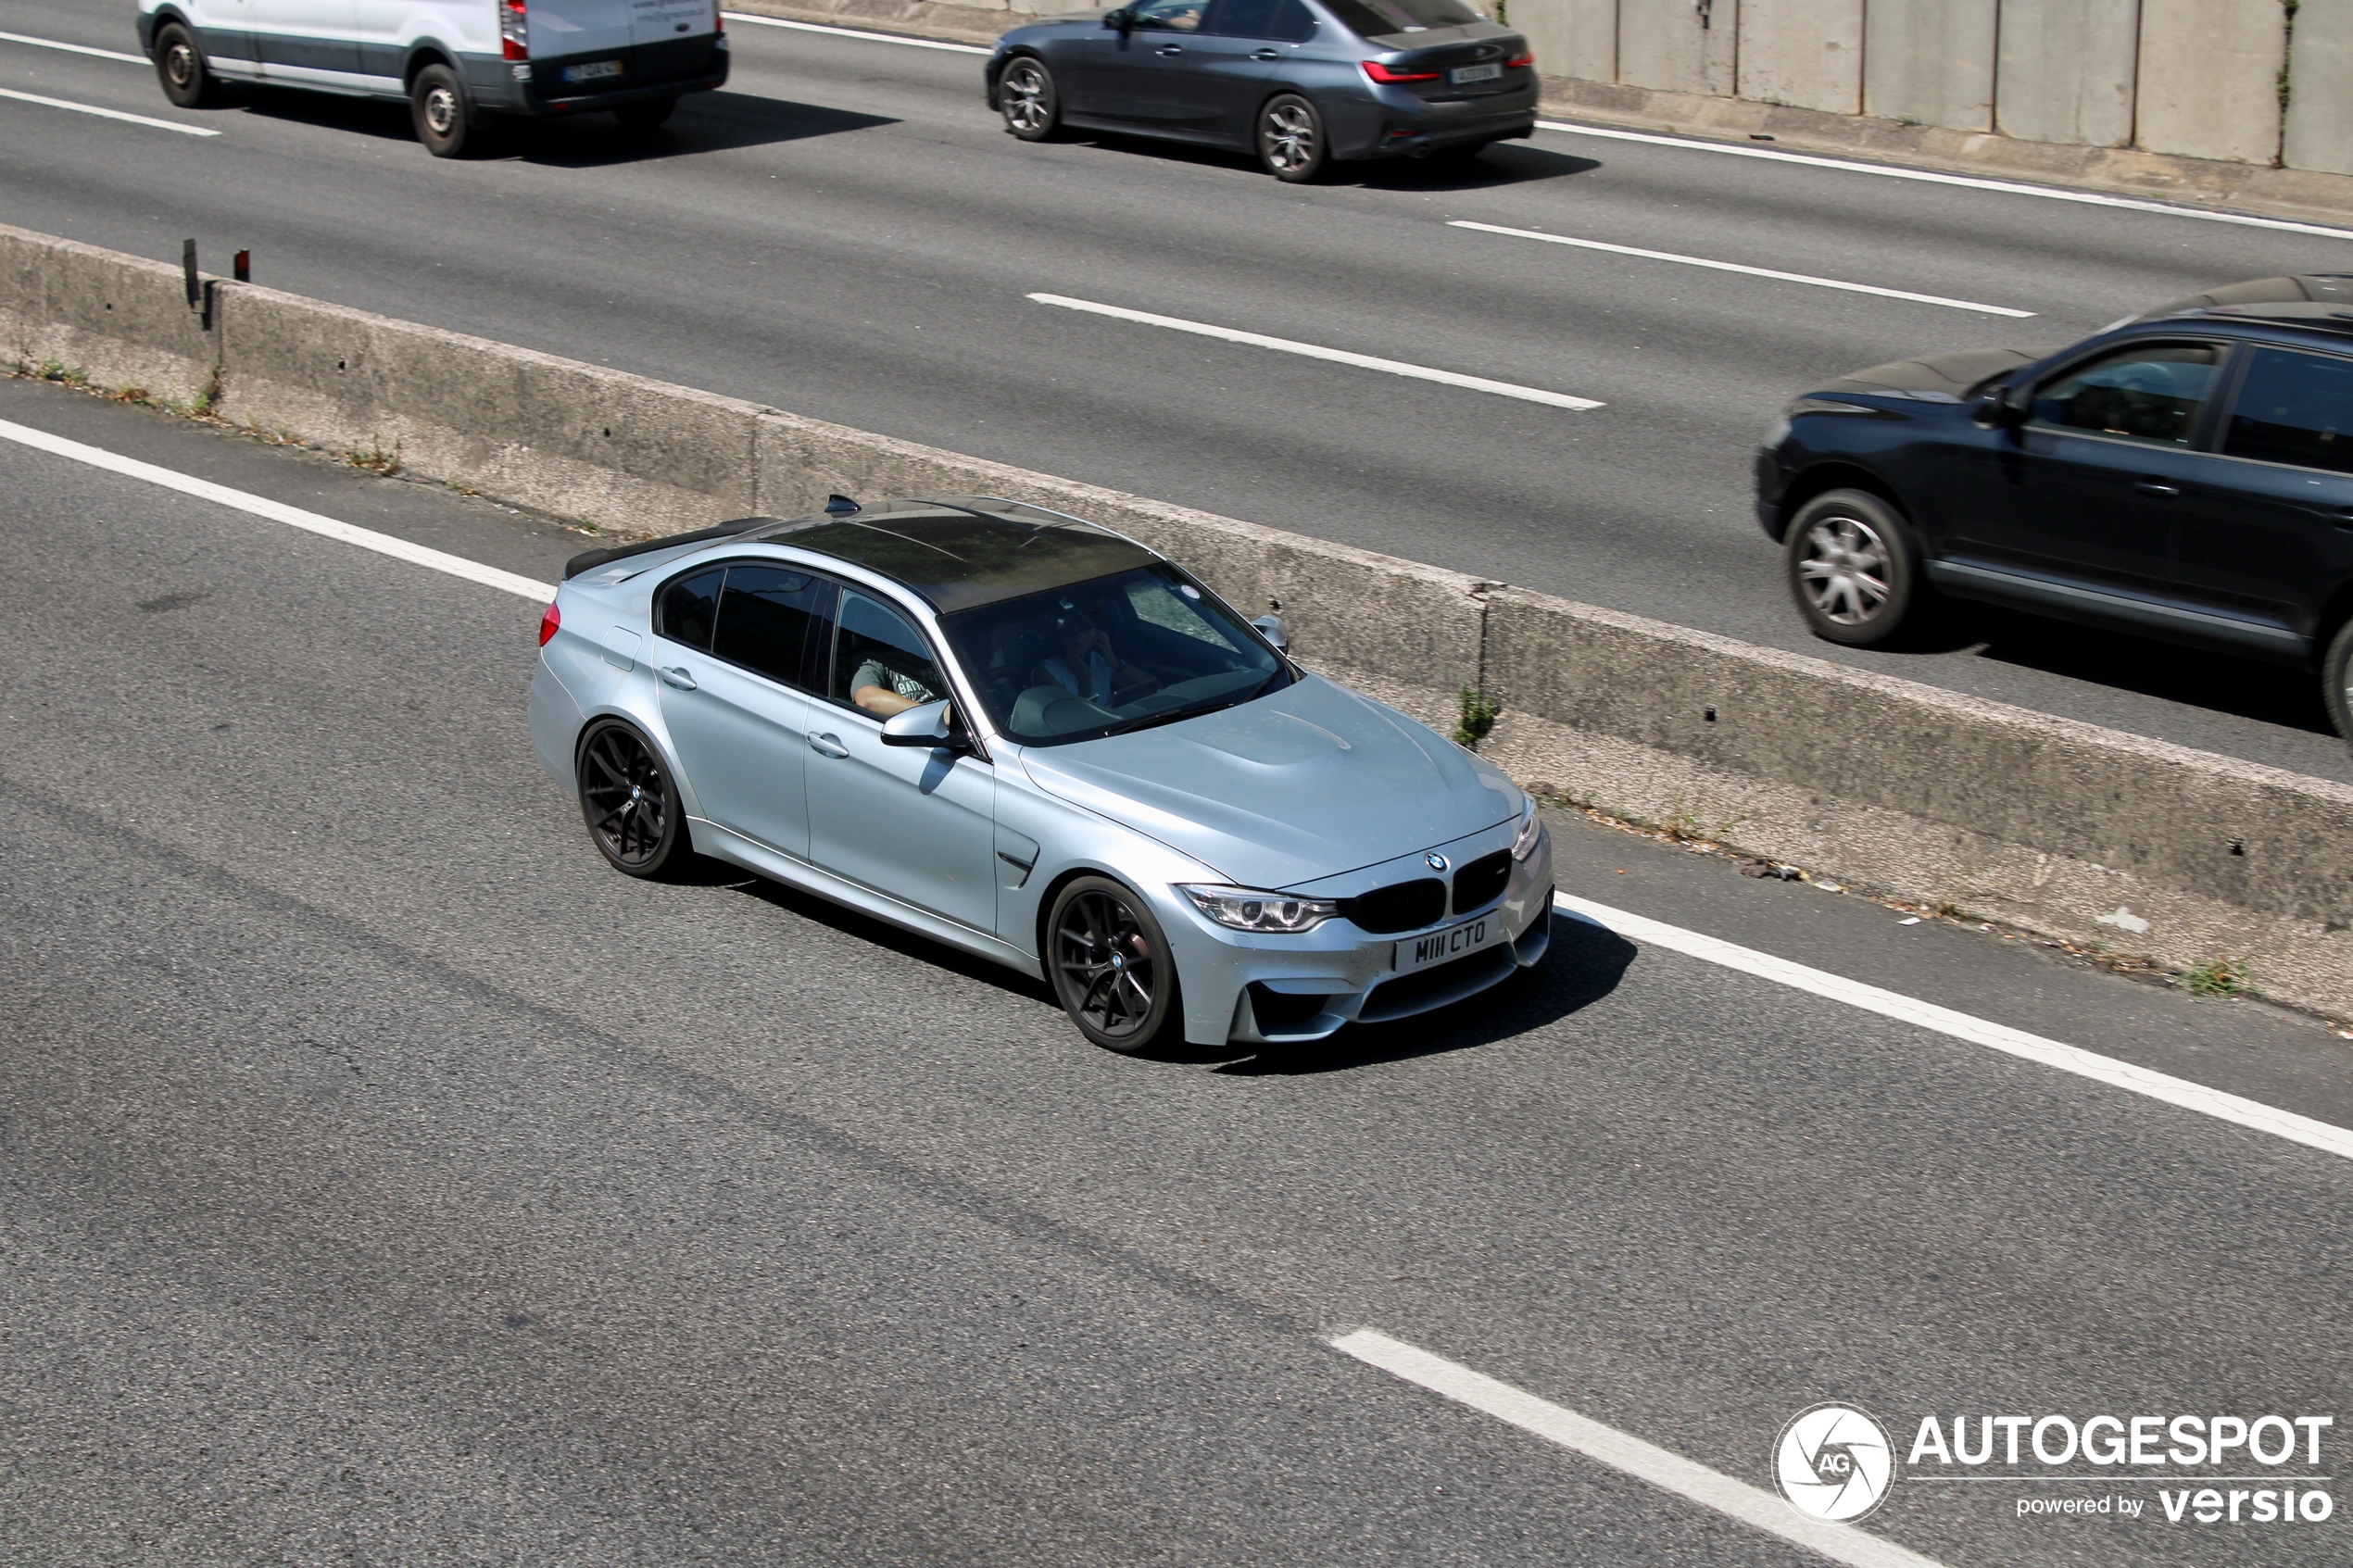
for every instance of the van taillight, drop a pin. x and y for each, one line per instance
(514, 37)
(548, 623)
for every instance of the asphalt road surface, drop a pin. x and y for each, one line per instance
(846, 232)
(385, 1181)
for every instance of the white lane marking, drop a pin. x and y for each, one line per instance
(1316, 351)
(1737, 267)
(278, 511)
(108, 113)
(1644, 1462)
(2178, 1092)
(858, 32)
(2010, 187)
(72, 48)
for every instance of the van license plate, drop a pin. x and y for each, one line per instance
(1438, 947)
(1461, 74)
(595, 70)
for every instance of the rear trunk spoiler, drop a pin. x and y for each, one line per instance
(589, 561)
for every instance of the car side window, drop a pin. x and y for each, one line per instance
(2293, 409)
(687, 609)
(1170, 16)
(771, 619)
(2149, 393)
(1282, 21)
(881, 664)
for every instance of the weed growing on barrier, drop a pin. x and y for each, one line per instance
(2217, 977)
(375, 458)
(1478, 715)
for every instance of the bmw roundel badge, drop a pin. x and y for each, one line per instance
(1434, 860)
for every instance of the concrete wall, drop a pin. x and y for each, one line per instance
(1569, 37)
(1672, 47)
(2320, 111)
(2209, 78)
(1930, 62)
(2065, 70)
(1806, 53)
(2055, 825)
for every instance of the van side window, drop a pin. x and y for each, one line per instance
(686, 609)
(2293, 409)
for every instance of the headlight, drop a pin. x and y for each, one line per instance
(1775, 436)
(1248, 908)
(1531, 831)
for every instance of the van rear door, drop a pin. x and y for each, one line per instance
(659, 21)
(561, 29)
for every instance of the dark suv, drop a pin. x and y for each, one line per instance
(2186, 474)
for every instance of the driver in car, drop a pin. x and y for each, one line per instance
(1086, 664)
(883, 691)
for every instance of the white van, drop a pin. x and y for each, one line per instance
(457, 63)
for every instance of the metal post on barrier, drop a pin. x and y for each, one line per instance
(188, 271)
(243, 270)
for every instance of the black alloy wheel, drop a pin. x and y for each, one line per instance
(447, 122)
(1111, 967)
(187, 75)
(1026, 97)
(1291, 139)
(2336, 676)
(647, 114)
(628, 801)
(1854, 567)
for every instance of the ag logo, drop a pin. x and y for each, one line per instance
(1833, 1462)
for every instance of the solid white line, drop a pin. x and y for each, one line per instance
(858, 32)
(2179, 1092)
(1737, 267)
(278, 511)
(1315, 351)
(1644, 1462)
(2009, 186)
(109, 114)
(72, 48)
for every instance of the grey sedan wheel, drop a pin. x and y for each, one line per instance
(2336, 676)
(179, 65)
(629, 802)
(1026, 97)
(1291, 139)
(1111, 967)
(1854, 567)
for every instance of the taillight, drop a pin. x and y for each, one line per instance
(1381, 74)
(514, 37)
(548, 623)
(1518, 60)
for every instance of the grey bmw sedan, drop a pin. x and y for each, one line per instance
(1040, 741)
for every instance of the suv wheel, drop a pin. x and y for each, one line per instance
(1854, 568)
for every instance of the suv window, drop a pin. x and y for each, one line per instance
(772, 619)
(687, 609)
(1285, 21)
(881, 664)
(2293, 409)
(2147, 394)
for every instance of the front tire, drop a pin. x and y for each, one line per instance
(2336, 680)
(629, 802)
(1854, 568)
(1291, 140)
(182, 68)
(1111, 967)
(447, 122)
(1028, 99)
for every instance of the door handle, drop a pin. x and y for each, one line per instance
(676, 676)
(2341, 516)
(827, 745)
(1268, 55)
(1169, 49)
(2155, 487)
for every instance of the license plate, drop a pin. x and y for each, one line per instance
(595, 71)
(1438, 947)
(1461, 74)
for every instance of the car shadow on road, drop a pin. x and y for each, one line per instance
(1585, 964)
(1506, 163)
(705, 123)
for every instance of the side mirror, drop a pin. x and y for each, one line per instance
(933, 726)
(2001, 407)
(1271, 628)
(1120, 20)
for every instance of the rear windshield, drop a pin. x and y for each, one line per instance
(1381, 18)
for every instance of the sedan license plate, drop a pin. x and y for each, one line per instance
(1461, 74)
(595, 71)
(1438, 947)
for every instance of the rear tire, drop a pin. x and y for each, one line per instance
(446, 119)
(630, 802)
(182, 68)
(1111, 967)
(2336, 681)
(1028, 99)
(1291, 140)
(651, 113)
(1854, 567)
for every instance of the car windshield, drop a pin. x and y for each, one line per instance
(1125, 652)
(1383, 19)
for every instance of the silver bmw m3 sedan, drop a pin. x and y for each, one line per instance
(1038, 740)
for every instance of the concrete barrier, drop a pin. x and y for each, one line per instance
(2319, 132)
(2209, 78)
(2060, 827)
(1808, 54)
(1674, 48)
(1570, 37)
(1930, 62)
(2066, 71)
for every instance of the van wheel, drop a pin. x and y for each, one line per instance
(447, 122)
(1854, 568)
(647, 115)
(187, 75)
(2336, 680)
